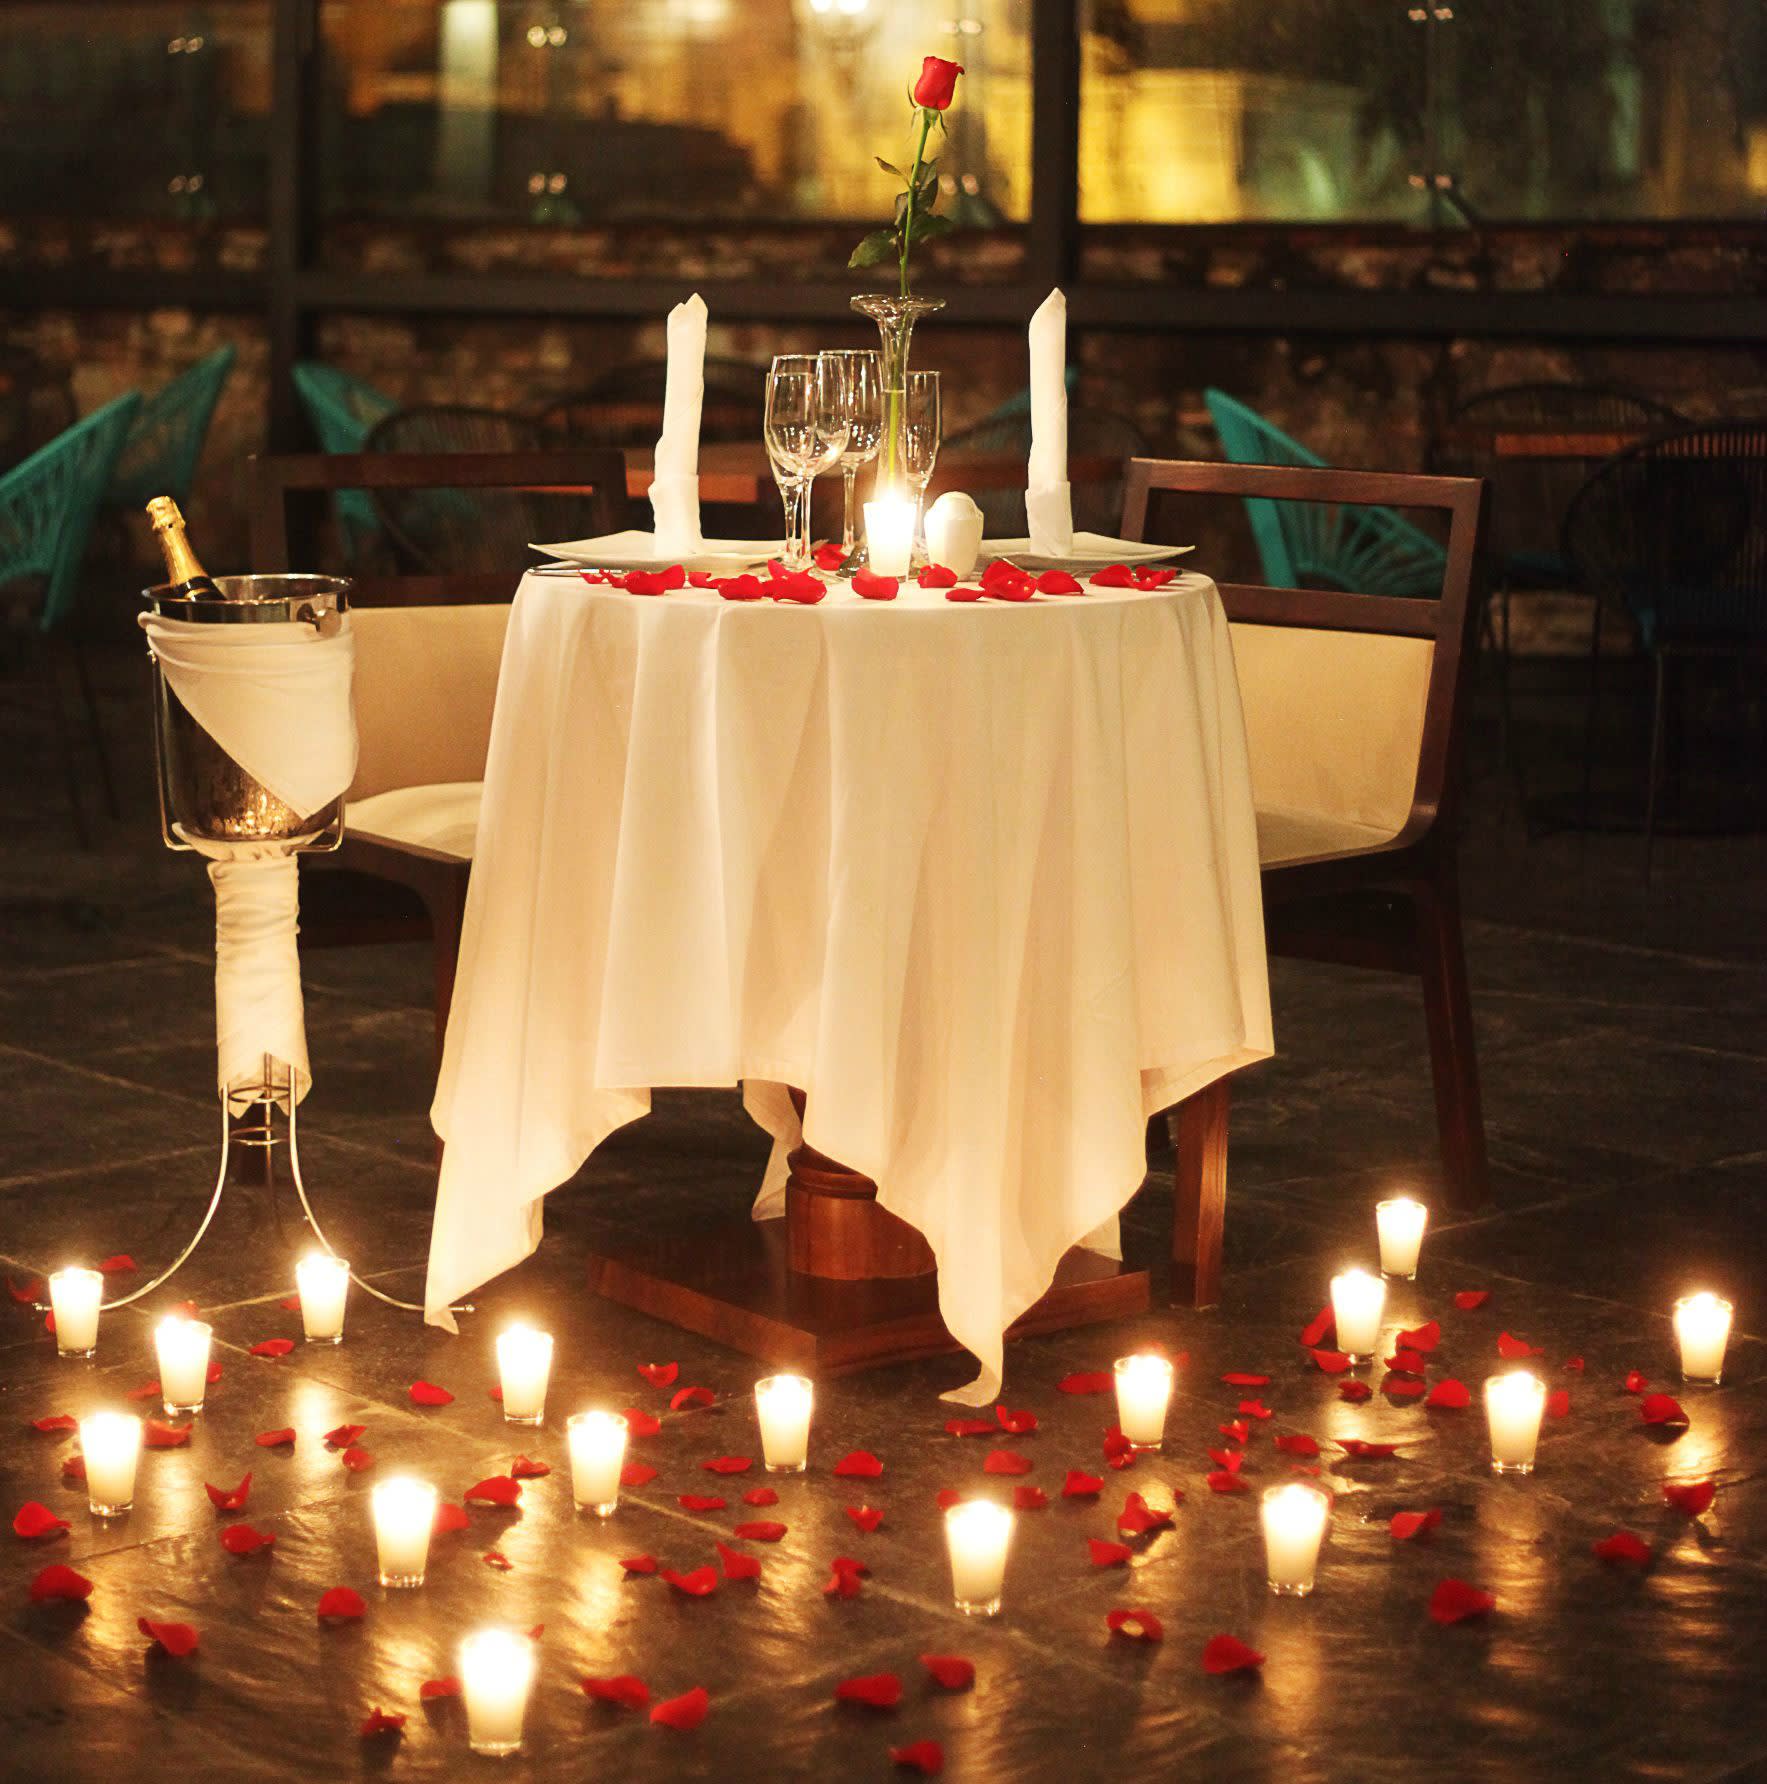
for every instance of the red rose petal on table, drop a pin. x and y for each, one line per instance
(685, 1712)
(497, 1559)
(58, 1582)
(1406, 1524)
(1107, 1554)
(762, 1530)
(1333, 1362)
(701, 579)
(691, 1396)
(26, 1293)
(699, 1583)
(871, 587)
(860, 1464)
(1016, 1424)
(56, 1421)
(1093, 1381)
(242, 1539)
(1113, 576)
(1402, 1387)
(1139, 1626)
(760, 1496)
(526, 1468)
(1407, 1362)
(357, 1460)
(1574, 1364)
(1636, 1383)
(799, 586)
(275, 1439)
(157, 1434)
(1450, 1394)
(1255, 1409)
(640, 1423)
(1469, 1298)
(970, 1427)
(1152, 576)
(290, 1304)
(828, 555)
(1224, 1480)
(229, 1498)
(1239, 1379)
(344, 1435)
(950, 1670)
(1058, 582)
(495, 1489)
(740, 588)
(119, 1265)
(74, 1468)
(639, 1563)
(1367, 1452)
(629, 1692)
(1228, 1654)
(1297, 1443)
(1690, 1496)
(272, 1347)
(426, 1393)
(1623, 1545)
(1508, 1345)
(1080, 1486)
(340, 1603)
(660, 1375)
(33, 1522)
(1558, 1403)
(728, 1464)
(1454, 1600)
(1007, 1462)
(937, 576)
(177, 1639)
(1313, 1334)
(867, 1517)
(1423, 1338)
(450, 1516)
(738, 1566)
(637, 1474)
(1661, 1409)
(378, 1722)
(926, 1757)
(1007, 582)
(878, 1691)
(431, 1689)
(700, 1501)
(1228, 1459)
(1355, 1391)
(1237, 1432)
(1138, 1517)
(1029, 1499)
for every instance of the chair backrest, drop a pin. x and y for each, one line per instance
(1353, 700)
(343, 411)
(47, 505)
(164, 445)
(624, 406)
(1100, 444)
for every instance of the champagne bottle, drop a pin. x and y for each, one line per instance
(183, 570)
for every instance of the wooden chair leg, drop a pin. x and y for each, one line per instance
(1454, 1063)
(1199, 1138)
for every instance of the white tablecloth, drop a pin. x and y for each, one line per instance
(982, 879)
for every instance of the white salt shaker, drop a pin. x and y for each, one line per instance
(954, 532)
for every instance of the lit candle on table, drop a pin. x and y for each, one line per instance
(1358, 1301)
(1400, 1223)
(1702, 1329)
(404, 1515)
(524, 1360)
(74, 1298)
(1144, 1388)
(324, 1285)
(183, 1346)
(1513, 1405)
(782, 1404)
(598, 1453)
(889, 535)
(496, 1674)
(110, 1446)
(978, 1533)
(1294, 1518)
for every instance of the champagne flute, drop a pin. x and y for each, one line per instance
(920, 445)
(805, 434)
(863, 404)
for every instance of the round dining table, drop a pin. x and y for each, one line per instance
(959, 891)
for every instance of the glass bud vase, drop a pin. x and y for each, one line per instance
(895, 317)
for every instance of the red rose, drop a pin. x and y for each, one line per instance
(937, 85)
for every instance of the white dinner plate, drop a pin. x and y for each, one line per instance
(1091, 550)
(637, 550)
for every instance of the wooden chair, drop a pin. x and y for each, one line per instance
(427, 655)
(1353, 707)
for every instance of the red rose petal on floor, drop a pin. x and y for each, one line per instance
(849, 1564)
(1407, 1524)
(1119, 1452)
(950, 1670)
(177, 1639)
(1661, 1409)
(1224, 1480)
(700, 1583)
(684, 1712)
(74, 1468)
(1355, 1391)
(242, 1539)
(860, 1464)
(49, 1322)
(639, 1563)
(148, 1390)
(1254, 1409)
(1080, 1486)
(1422, 1338)
(426, 1393)
(494, 1393)
(1558, 1403)
(1313, 1334)
(660, 1375)
(1016, 1424)
(1228, 1654)
(1237, 1432)
(1469, 1298)
(379, 1722)
(450, 1516)
(1454, 1600)
(700, 1502)
(431, 1689)
(1407, 1362)
(1367, 1452)
(842, 1585)
(1636, 1383)
(879, 1691)
(685, 1397)
(272, 1347)
(1333, 1362)
(760, 1531)
(970, 1427)
(1450, 1394)
(26, 1293)
(728, 1464)
(344, 1435)
(342, 1603)
(1007, 1462)
(1140, 1626)
(1402, 1387)
(1508, 1345)
(57, 1581)
(33, 1522)
(157, 1434)
(1138, 1517)
(229, 1498)
(1239, 1379)
(275, 1439)
(1690, 1496)
(1574, 1364)
(1228, 1459)
(1297, 1443)
(640, 1423)
(926, 1757)
(1107, 1554)
(1088, 1381)
(526, 1468)
(497, 1559)
(495, 1489)
(56, 1421)
(290, 1304)
(628, 1692)
(738, 1566)
(1623, 1545)
(946, 1497)
(637, 1474)
(120, 1265)
(867, 1517)
(760, 1496)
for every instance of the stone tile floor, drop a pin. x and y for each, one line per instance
(1623, 1032)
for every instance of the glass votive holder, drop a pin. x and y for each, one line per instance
(1400, 1222)
(75, 1296)
(182, 1346)
(598, 1453)
(783, 1404)
(1514, 1403)
(404, 1517)
(524, 1364)
(323, 1283)
(110, 1447)
(1294, 1517)
(496, 1676)
(978, 1533)
(1144, 1391)
(1358, 1304)
(1702, 1330)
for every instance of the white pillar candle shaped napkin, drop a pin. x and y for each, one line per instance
(674, 489)
(1048, 510)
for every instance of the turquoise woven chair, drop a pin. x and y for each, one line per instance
(1372, 551)
(344, 412)
(161, 453)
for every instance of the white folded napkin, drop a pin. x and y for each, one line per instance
(674, 490)
(1048, 509)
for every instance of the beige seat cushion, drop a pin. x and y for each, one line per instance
(444, 817)
(1305, 836)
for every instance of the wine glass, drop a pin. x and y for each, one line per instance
(863, 404)
(920, 445)
(806, 433)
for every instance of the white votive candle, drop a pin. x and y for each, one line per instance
(598, 1453)
(1400, 1223)
(889, 536)
(524, 1360)
(1513, 1405)
(978, 1533)
(74, 1299)
(1294, 1518)
(183, 1347)
(404, 1516)
(496, 1674)
(1358, 1301)
(1144, 1389)
(324, 1284)
(1702, 1329)
(783, 1404)
(110, 1446)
